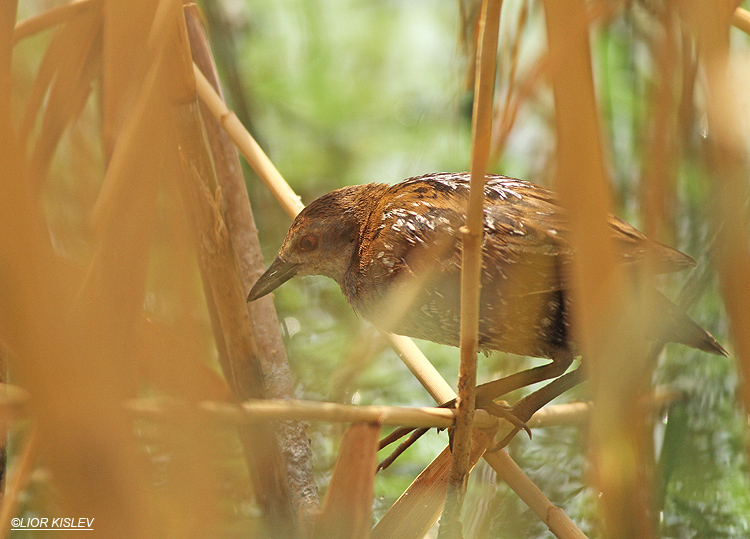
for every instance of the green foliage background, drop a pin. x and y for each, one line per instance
(351, 92)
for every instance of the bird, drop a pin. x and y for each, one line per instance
(395, 252)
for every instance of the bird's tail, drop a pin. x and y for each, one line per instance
(680, 328)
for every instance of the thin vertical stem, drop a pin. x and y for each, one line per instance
(7, 20)
(472, 265)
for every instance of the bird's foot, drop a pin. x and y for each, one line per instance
(503, 411)
(416, 434)
(527, 406)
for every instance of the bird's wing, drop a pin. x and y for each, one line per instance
(416, 229)
(537, 223)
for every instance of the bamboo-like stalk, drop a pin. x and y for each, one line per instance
(11, 173)
(225, 290)
(73, 61)
(347, 509)
(258, 410)
(658, 182)
(471, 265)
(52, 17)
(17, 482)
(515, 94)
(554, 517)
(741, 19)
(730, 166)
(421, 367)
(78, 401)
(604, 313)
(3, 421)
(13, 399)
(293, 441)
(218, 265)
(260, 162)
(254, 410)
(7, 21)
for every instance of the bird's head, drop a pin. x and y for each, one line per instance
(321, 241)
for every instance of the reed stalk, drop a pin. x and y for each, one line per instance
(471, 265)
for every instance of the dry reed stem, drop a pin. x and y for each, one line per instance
(255, 156)
(259, 410)
(577, 413)
(243, 234)
(604, 318)
(251, 411)
(53, 61)
(14, 401)
(507, 119)
(421, 367)
(71, 355)
(225, 291)
(8, 409)
(7, 22)
(17, 481)
(555, 518)
(347, 509)
(417, 509)
(471, 266)
(125, 23)
(232, 325)
(179, 117)
(658, 176)
(152, 337)
(52, 17)
(741, 19)
(114, 290)
(730, 165)
(513, 98)
(176, 367)
(75, 61)
(78, 387)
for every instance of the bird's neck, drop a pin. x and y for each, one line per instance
(367, 210)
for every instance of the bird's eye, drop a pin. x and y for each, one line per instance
(308, 243)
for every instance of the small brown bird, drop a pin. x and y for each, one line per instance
(395, 251)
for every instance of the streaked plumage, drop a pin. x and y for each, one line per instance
(384, 243)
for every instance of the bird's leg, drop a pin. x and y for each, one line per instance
(416, 434)
(397, 434)
(527, 406)
(490, 406)
(497, 388)
(487, 393)
(521, 411)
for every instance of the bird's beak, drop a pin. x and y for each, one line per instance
(277, 274)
